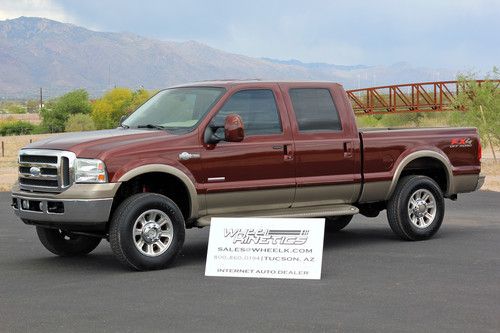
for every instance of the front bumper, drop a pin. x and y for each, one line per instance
(79, 205)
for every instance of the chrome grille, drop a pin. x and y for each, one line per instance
(45, 170)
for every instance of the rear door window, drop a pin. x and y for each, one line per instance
(314, 109)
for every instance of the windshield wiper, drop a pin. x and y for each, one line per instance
(159, 127)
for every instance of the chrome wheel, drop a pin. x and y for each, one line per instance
(422, 208)
(152, 232)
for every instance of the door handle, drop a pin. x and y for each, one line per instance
(287, 153)
(348, 149)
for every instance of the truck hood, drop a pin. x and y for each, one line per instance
(93, 144)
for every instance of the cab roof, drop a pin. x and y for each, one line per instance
(226, 83)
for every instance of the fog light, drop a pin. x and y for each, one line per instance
(25, 204)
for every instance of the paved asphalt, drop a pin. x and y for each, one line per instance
(371, 282)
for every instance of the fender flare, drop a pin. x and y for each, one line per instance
(420, 154)
(167, 169)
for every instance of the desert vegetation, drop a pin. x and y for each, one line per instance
(75, 111)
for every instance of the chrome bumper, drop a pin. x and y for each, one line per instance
(73, 211)
(82, 204)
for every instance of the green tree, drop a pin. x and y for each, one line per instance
(57, 112)
(52, 122)
(480, 105)
(107, 111)
(138, 98)
(79, 122)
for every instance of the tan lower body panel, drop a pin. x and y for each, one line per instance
(375, 191)
(326, 195)
(316, 211)
(464, 183)
(237, 201)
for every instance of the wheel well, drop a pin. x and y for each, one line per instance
(430, 167)
(156, 182)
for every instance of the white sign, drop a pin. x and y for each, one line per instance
(282, 248)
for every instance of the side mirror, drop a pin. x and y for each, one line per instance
(233, 128)
(122, 119)
(233, 131)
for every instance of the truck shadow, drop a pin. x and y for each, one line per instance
(94, 262)
(194, 252)
(358, 237)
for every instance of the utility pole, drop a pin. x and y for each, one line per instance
(41, 98)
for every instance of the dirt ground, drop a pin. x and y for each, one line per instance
(12, 144)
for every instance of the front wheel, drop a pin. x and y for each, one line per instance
(416, 209)
(66, 244)
(147, 231)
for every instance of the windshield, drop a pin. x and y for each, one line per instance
(175, 109)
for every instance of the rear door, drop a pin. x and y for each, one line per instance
(257, 173)
(326, 145)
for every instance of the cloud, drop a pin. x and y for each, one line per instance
(443, 33)
(40, 8)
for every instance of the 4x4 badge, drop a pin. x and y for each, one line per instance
(461, 142)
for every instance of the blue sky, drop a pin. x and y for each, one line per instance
(454, 34)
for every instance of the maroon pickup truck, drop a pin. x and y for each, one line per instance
(236, 148)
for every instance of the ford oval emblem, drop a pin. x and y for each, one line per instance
(34, 171)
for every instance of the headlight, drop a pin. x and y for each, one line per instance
(90, 171)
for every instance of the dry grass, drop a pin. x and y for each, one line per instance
(12, 144)
(492, 172)
(8, 162)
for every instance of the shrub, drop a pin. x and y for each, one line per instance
(17, 127)
(80, 122)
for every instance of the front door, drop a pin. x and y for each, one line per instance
(259, 172)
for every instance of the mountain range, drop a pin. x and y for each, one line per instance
(38, 52)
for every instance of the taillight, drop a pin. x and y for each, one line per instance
(479, 150)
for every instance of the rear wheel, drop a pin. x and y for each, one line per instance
(66, 244)
(147, 231)
(416, 209)
(336, 223)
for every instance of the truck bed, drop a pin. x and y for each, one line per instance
(385, 149)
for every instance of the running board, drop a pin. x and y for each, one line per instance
(319, 211)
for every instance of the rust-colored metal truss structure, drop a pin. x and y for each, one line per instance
(404, 98)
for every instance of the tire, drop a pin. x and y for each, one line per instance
(336, 223)
(416, 209)
(147, 231)
(66, 244)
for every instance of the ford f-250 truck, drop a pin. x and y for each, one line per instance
(236, 148)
